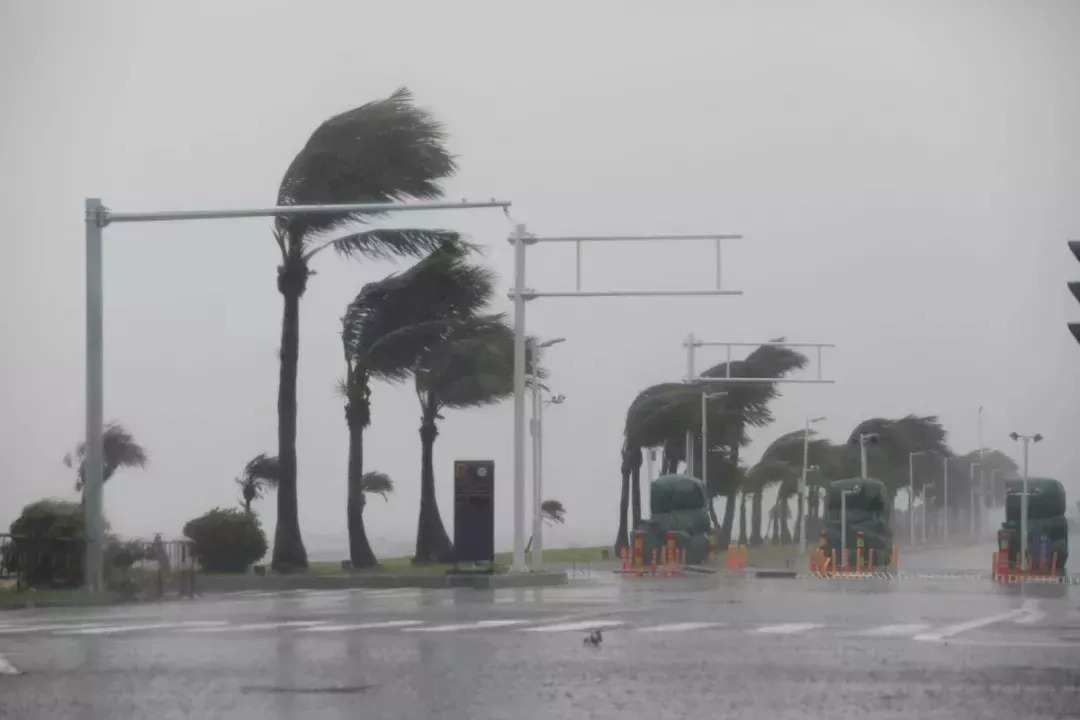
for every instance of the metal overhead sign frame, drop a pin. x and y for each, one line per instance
(692, 344)
(97, 218)
(520, 294)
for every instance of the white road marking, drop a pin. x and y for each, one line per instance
(115, 629)
(584, 625)
(364, 626)
(1032, 613)
(7, 668)
(250, 627)
(788, 628)
(893, 630)
(681, 627)
(47, 628)
(466, 626)
(950, 630)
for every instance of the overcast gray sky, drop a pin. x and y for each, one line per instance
(905, 173)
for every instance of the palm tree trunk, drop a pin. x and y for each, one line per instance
(289, 553)
(635, 483)
(729, 507)
(432, 542)
(742, 519)
(712, 513)
(726, 523)
(360, 553)
(785, 528)
(622, 539)
(756, 503)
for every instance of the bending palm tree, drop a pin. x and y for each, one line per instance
(388, 150)
(260, 475)
(470, 363)
(553, 513)
(748, 404)
(384, 332)
(121, 451)
(370, 483)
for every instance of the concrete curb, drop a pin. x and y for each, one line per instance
(205, 584)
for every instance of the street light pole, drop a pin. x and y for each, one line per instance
(537, 428)
(945, 499)
(800, 519)
(971, 528)
(705, 397)
(911, 494)
(1026, 439)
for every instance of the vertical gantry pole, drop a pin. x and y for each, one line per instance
(690, 378)
(519, 400)
(945, 492)
(93, 462)
(704, 435)
(801, 521)
(1024, 566)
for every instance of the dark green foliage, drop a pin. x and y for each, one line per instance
(120, 451)
(226, 540)
(260, 475)
(48, 544)
(387, 150)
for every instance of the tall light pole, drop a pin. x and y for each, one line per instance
(1026, 440)
(911, 493)
(538, 404)
(972, 527)
(865, 438)
(705, 398)
(800, 520)
(945, 498)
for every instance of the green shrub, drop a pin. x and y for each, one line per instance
(47, 544)
(226, 540)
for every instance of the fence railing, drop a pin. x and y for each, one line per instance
(147, 569)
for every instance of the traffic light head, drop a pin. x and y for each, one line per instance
(1074, 288)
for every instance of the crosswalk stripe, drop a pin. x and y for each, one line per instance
(787, 628)
(114, 629)
(949, 630)
(681, 627)
(46, 628)
(584, 625)
(6, 668)
(893, 630)
(249, 627)
(466, 626)
(364, 626)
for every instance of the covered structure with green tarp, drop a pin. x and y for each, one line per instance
(677, 503)
(1046, 515)
(869, 510)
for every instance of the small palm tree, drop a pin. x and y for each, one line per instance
(468, 363)
(370, 483)
(121, 451)
(260, 475)
(385, 330)
(552, 512)
(384, 151)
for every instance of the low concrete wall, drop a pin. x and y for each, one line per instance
(270, 583)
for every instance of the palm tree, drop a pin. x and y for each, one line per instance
(120, 451)
(553, 513)
(659, 416)
(260, 475)
(370, 483)
(747, 404)
(385, 330)
(782, 460)
(387, 150)
(469, 363)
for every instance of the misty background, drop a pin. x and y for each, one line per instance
(905, 174)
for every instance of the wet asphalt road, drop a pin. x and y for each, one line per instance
(672, 648)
